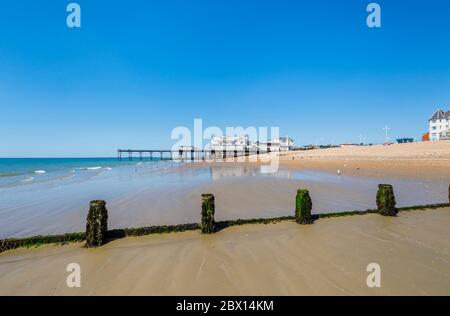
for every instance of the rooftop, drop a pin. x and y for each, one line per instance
(440, 115)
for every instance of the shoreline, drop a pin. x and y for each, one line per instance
(147, 195)
(246, 258)
(327, 258)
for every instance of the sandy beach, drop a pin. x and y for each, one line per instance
(328, 258)
(421, 160)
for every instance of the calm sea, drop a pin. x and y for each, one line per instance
(20, 171)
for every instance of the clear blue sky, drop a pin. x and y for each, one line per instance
(137, 69)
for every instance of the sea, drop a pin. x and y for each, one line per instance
(22, 171)
(41, 196)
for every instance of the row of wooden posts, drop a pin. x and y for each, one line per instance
(97, 219)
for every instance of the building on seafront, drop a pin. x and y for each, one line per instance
(243, 143)
(439, 126)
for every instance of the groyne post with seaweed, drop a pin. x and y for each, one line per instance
(386, 200)
(303, 207)
(96, 224)
(208, 224)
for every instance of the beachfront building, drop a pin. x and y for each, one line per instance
(242, 143)
(230, 143)
(279, 144)
(439, 125)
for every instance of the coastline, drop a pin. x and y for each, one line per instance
(278, 258)
(328, 258)
(148, 194)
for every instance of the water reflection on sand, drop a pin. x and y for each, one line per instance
(168, 194)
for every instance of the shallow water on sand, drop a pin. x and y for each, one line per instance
(154, 193)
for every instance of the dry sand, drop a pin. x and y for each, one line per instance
(329, 258)
(422, 160)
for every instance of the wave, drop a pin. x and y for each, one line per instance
(94, 168)
(90, 168)
(40, 171)
(108, 168)
(28, 179)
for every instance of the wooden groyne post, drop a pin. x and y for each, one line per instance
(386, 200)
(303, 207)
(96, 224)
(208, 224)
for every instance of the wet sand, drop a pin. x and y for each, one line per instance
(145, 195)
(328, 258)
(240, 191)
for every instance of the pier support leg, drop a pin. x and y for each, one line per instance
(96, 224)
(386, 200)
(303, 207)
(208, 225)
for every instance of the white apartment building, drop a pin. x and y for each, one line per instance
(439, 125)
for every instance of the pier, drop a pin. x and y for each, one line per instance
(184, 154)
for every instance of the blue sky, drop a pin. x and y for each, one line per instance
(137, 69)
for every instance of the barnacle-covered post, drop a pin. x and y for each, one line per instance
(386, 200)
(303, 206)
(208, 225)
(97, 224)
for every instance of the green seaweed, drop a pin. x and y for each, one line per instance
(386, 200)
(36, 241)
(208, 224)
(303, 207)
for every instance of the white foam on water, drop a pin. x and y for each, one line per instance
(40, 171)
(108, 168)
(94, 168)
(28, 179)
